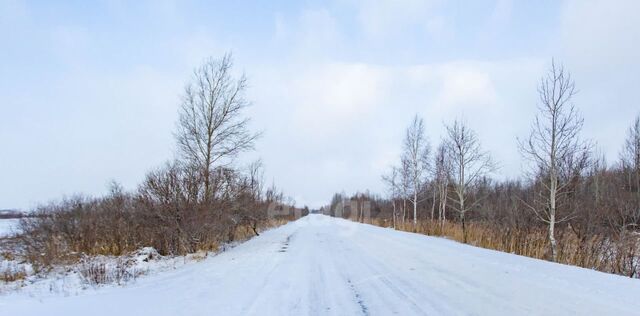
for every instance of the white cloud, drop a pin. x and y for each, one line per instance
(310, 35)
(497, 22)
(325, 116)
(198, 46)
(599, 42)
(335, 95)
(501, 12)
(381, 19)
(333, 90)
(601, 33)
(466, 87)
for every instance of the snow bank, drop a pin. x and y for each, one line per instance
(90, 273)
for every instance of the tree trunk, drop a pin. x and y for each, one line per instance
(393, 216)
(254, 227)
(462, 214)
(207, 184)
(552, 218)
(461, 192)
(464, 228)
(433, 204)
(443, 207)
(552, 214)
(404, 210)
(415, 208)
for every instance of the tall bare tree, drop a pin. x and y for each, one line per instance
(212, 129)
(628, 215)
(416, 156)
(394, 189)
(256, 179)
(442, 174)
(630, 155)
(405, 186)
(554, 147)
(469, 164)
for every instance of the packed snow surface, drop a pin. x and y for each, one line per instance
(326, 266)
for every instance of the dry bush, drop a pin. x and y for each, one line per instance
(168, 213)
(97, 272)
(94, 273)
(7, 255)
(195, 203)
(11, 274)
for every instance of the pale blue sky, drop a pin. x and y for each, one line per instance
(89, 89)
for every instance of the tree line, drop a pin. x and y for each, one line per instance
(570, 205)
(197, 201)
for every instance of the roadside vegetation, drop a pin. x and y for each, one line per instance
(198, 202)
(570, 205)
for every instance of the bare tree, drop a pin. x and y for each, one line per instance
(442, 174)
(416, 157)
(554, 147)
(394, 189)
(211, 129)
(630, 156)
(405, 186)
(256, 179)
(469, 164)
(628, 214)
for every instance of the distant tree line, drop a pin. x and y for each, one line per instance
(196, 202)
(571, 206)
(8, 214)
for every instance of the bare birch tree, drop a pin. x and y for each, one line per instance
(554, 147)
(211, 128)
(394, 189)
(469, 164)
(256, 179)
(416, 156)
(405, 186)
(630, 155)
(629, 214)
(442, 174)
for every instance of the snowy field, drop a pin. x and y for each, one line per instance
(8, 226)
(326, 266)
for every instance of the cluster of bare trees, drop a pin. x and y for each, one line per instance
(458, 164)
(195, 202)
(588, 209)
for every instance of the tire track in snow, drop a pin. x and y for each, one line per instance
(266, 279)
(356, 294)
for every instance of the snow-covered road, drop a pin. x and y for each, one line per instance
(326, 266)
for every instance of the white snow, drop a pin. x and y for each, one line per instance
(8, 226)
(326, 266)
(90, 273)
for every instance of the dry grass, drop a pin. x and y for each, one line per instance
(11, 275)
(49, 245)
(96, 272)
(7, 255)
(245, 232)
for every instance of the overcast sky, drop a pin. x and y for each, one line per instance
(89, 90)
